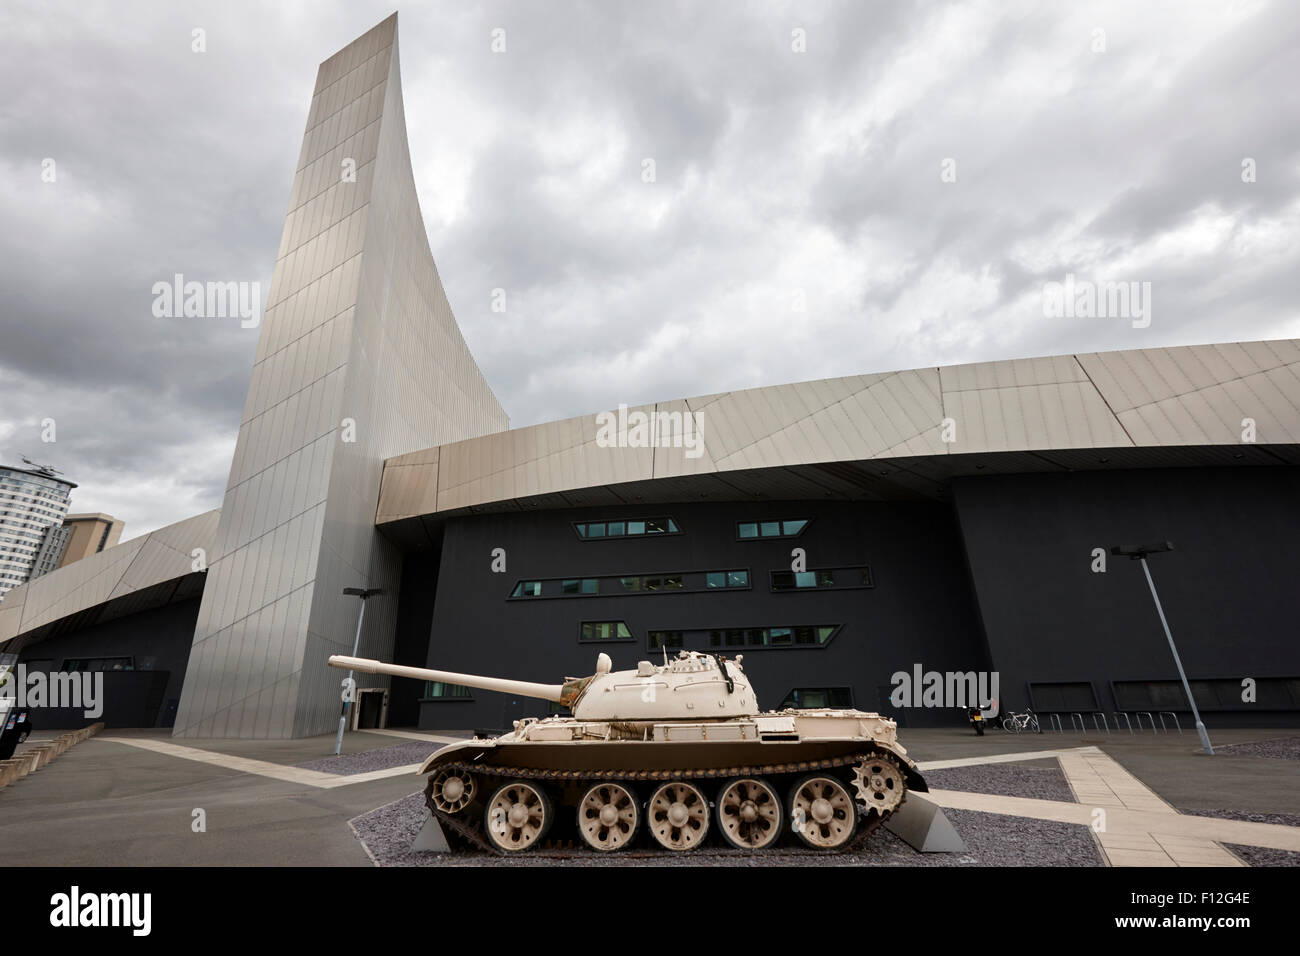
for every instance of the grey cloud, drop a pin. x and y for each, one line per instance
(772, 176)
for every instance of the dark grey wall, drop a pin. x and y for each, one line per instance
(1230, 589)
(919, 611)
(158, 639)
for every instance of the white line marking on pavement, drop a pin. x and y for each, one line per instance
(261, 768)
(1000, 758)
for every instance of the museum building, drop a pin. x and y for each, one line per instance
(835, 532)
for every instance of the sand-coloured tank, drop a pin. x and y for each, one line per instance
(663, 756)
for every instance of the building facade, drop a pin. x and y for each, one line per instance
(836, 533)
(79, 536)
(33, 502)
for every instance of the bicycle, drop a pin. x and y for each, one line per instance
(1015, 723)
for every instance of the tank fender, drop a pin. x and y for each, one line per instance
(914, 779)
(443, 754)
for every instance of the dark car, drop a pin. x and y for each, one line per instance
(17, 728)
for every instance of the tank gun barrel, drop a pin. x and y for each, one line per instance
(552, 692)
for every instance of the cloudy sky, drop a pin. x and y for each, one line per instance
(802, 223)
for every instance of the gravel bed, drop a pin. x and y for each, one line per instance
(1257, 855)
(991, 840)
(1004, 780)
(382, 759)
(1284, 748)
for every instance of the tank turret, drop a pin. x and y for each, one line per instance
(673, 755)
(692, 686)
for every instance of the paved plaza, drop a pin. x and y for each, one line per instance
(133, 797)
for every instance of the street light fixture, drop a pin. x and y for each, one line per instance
(1139, 552)
(349, 684)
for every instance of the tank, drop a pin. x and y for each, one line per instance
(666, 757)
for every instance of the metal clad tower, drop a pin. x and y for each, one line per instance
(359, 359)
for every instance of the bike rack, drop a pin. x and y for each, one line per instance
(1056, 719)
(1118, 715)
(1138, 714)
(1083, 729)
(1105, 722)
(1174, 716)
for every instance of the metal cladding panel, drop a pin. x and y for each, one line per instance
(1069, 415)
(359, 359)
(135, 566)
(688, 455)
(1196, 395)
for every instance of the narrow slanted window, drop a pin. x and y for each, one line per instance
(779, 528)
(605, 631)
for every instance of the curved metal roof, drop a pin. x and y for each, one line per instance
(883, 436)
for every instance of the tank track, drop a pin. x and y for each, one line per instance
(465, 831)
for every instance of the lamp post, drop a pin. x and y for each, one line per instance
(349, 684)
(1139, 552)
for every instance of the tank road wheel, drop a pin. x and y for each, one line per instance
(822, 812)
(749, 814)
(880, 784)
(608, 817)
(679, 816)
(517, 816)
(452, 790)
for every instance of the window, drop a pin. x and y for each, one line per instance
(1210, 694)
(668, 582)
(731, 637)
(660, 639)
(803, 635)
(437, 690)
(726, 579)
(680, 582)
(781, 528)
(589, 530)
(99, 664)
(836, 579)
(805, 697)
(604, 631)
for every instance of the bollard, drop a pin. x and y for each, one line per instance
(8, 772)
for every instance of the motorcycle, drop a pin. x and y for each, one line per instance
(976, 718)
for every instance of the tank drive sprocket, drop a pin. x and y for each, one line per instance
(879, 783)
